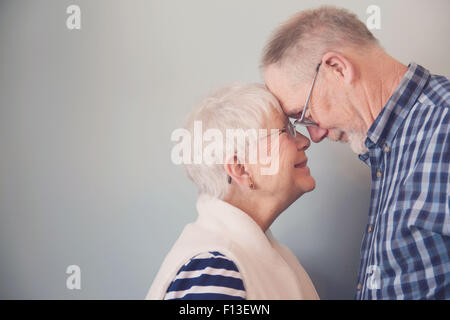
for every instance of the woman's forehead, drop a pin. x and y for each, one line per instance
(276, 120)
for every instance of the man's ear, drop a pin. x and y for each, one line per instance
(341, 67)
(237, 171)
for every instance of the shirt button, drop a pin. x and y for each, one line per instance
(387, 149)
(378, 174)
(358, 287)
(369, 229)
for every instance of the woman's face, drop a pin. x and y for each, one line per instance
(293, 177)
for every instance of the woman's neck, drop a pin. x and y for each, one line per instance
(262, 211)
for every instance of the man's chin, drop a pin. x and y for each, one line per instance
(355, 139)
(357, 142)
(337, 136)
(343, 137)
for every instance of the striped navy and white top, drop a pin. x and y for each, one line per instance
(207, 276)
(406, 247)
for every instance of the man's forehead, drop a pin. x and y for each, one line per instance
(274, 79)
(277, 84)
(289, 108)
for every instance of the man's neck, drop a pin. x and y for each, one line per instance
(384, 77)
(389, 84)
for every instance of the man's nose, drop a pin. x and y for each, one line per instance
(317, 134)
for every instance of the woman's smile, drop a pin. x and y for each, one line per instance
(301, 164)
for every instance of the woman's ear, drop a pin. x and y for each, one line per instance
(237, 173)
(340, 66)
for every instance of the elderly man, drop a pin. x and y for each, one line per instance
(328, 71)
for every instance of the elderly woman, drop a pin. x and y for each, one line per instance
(229, 251)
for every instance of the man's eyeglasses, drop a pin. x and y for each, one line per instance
(290, 129)
(302, 120)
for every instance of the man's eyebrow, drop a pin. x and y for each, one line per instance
(295, 114)
(291, 114)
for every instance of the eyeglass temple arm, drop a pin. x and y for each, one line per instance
(310, 91)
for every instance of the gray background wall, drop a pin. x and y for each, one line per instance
(85, 123)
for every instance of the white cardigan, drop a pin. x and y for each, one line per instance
(269, 270)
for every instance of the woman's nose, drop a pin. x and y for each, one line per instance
(317, 134)
(303, 142)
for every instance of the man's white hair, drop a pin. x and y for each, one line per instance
(298, 45)
(237, 106)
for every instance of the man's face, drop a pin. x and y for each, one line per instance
(328, 107)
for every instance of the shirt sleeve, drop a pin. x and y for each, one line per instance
(207, 276)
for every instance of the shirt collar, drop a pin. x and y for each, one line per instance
(391, 117)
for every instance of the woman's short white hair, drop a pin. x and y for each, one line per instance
(237, 106)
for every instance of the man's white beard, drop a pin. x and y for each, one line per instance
(356, 141)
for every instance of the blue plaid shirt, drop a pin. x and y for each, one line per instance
(406, 245)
